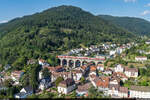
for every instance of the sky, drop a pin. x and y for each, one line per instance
(10, 9)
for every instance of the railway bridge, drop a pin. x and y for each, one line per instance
(72, 61)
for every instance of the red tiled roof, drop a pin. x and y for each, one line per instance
(92, 68)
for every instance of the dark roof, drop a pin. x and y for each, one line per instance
(20, 94)
(28, 88)
(67, 82)
(84, 87)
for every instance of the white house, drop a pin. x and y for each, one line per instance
(113, 89)
(100, 67)
(123, 92)
(44, 84)
(147, 42)
(119, 50)
(140, 58)
(42, 62)
(16, 75)
(77, 74)
(140, 92)
(115, 81)
(40, 75)
(24, 92)
(112, 52)
(131, 72)
(119, 68)
(66, 86)
(108, 71)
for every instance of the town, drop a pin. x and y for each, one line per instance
(107, 70)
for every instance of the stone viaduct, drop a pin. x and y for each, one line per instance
(78, 61)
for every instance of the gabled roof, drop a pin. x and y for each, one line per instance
(93, 68)
(131, 69)
(84, 87)
(67, 82)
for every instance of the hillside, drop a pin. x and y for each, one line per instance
(136, 25)
(53, 30)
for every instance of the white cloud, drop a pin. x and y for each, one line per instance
(146, 12)
(3, 21)
(130, 0)
(148, 5)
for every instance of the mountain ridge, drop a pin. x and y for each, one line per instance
(58, 28)
(138, 26)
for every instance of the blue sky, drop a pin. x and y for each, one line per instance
(10, 9)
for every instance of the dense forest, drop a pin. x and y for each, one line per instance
(58, 29)
(136, 25)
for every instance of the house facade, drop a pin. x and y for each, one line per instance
(66, 86)
(139, 92)
(16, 75)
(119, 68)
(44, 83)
(131, 72)
(140, 58)
(123, 92)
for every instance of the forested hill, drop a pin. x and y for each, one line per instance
(132, 24)
(58, 28)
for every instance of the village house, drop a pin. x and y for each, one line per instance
(84, 69)
(119, 50)
(31, 61)
(120, 75)
(147, 42)
(92, 77)
(42, 62)
(114, 80)
(141, 58)
(6, 67)
(103, 83)
(83, 89)
(44, 83)
(123, 92)
(65, 75)
(16, 75)
(113, 89)
(108, 71)
(66, 86)
(119, 68)
(93, 70)
(24, 92)
(112, 52)
(131, 72)
(100, 67)
(139, 92)
(77, 74)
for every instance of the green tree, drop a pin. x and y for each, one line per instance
(8, 82)
(82, 80)
(58, 80)
(46, 73)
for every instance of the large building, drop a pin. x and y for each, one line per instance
(131, 72)
(66, 86)
(139, 92)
